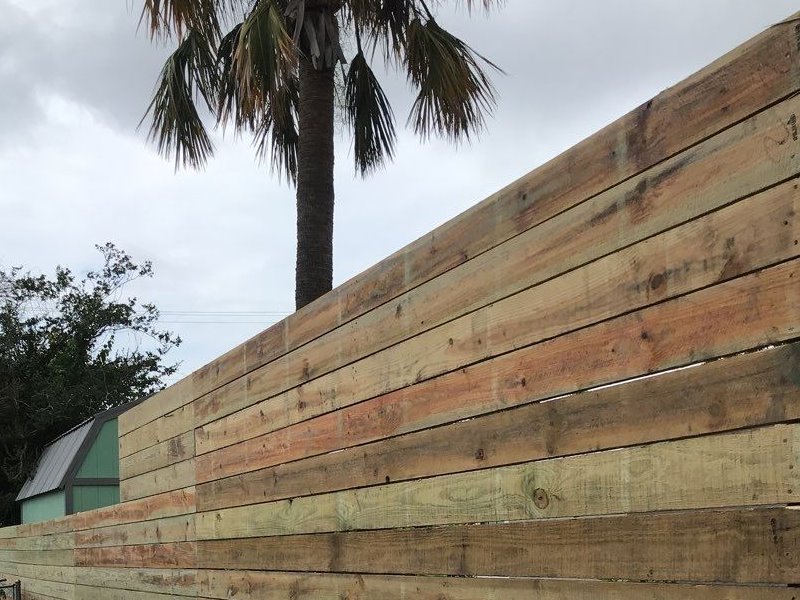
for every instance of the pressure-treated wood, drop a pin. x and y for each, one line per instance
(158, 405)
(318, 586)
(172, 477)
(166, 453)
(738, 392)
(730, 546)
(172, 529)
(38, 588)
(63, 574)
(57, 541)
(752, 234)
(170, 555)
(169, 504)
(712, 322)
(757, 466)
(104, 593)
(180, 582)
(163, 428)
(58, 557)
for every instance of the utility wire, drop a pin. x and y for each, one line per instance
(199, 317)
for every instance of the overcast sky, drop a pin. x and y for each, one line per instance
(76, 76)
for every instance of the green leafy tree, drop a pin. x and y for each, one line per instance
(69, 349)
(272, 74)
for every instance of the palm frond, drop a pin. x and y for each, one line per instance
(384, 23)
(259, 89)
(176, 124)
(487, 5)
(277, 134)
(264, 58)
(370, 115)
(168, 18)
(230, 104)
(455, 93)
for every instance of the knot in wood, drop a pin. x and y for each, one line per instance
(540, 498)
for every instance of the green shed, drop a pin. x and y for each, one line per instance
(77, 471)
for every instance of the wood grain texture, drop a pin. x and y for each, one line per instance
(257, 351)
(64, 574)
(733, 546)
(179, 582)
(52, 526)
(157, 405)
(171, 555)
(169, 504)
(166, 453)
(751, 234)
(56, 541)
(58, 557)
(755, 154)
(757, 74)
(172, 529)
(173, 477)
(37, 596)
(105, 593)
(37, 588)
(252, 585)
(163, 428)
(750, 468)
(755, 310)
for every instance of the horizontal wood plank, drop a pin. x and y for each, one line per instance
(56, 541)
(157, 405)
(166, 453)
(733, 546)
(63, 574)
(173, 477)
(37, 588)
(179, 582)
(172, 529)
(168, 504)
(85, 592)
(171, 555)
(164, 428)
(58, 557)
(252, 585)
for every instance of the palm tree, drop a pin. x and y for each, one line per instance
(273, 75)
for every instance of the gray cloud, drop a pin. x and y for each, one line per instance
(88, 52)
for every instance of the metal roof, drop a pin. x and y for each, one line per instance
(62, 457)
(55, 461)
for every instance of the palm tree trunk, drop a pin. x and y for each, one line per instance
(314, 271)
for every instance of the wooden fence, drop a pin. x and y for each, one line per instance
(470, 418)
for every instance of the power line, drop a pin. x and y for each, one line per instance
(198, 313)
(197, 317)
